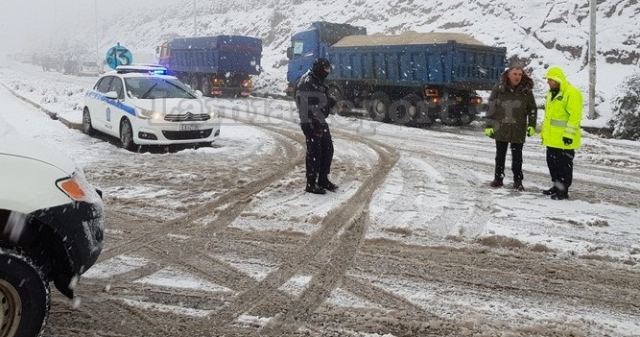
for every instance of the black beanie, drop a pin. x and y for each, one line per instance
(318, 67)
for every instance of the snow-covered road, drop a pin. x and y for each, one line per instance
(223, 241)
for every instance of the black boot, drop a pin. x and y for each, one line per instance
(551, 191)
(517, 185)
(496, 183)
(312, 186)
(315, 189)
(326, 184)
(560, 196)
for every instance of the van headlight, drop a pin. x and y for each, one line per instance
(77, 188)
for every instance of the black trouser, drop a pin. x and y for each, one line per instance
(516, 160)
(560, 164)
(319, 155)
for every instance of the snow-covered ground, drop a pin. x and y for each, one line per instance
(414, 242)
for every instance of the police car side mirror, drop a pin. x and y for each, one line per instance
(198, 93)
(111, 95)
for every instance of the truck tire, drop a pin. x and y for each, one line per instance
(205, 85)
(24, 296)
(194, 82)
(400, 112)
(336, 93)
(466, 118)
(447, 117)
(419, 112)
(379, 107)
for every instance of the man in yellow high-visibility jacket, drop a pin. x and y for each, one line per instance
(561, 131)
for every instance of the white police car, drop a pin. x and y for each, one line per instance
(142, 105)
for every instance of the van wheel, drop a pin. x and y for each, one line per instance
(24, 296)
(87, 128)
(126, 135)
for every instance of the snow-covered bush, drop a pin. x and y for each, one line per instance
(626, 108)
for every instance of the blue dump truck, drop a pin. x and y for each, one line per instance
(411, 78)
(216, 65)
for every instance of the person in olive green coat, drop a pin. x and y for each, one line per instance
(561, 131)
(511, 118)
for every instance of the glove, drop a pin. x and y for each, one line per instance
(567, 141)
(531, 131)
(489, 132)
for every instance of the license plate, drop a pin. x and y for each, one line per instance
(189, 127)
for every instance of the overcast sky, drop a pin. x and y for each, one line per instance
(26, 25)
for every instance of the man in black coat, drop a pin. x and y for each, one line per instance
(511, 118)
(314, 105)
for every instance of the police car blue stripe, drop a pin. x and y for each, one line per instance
(124, 107)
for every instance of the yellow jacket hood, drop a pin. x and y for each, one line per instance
(557, 74)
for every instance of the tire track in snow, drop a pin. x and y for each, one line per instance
(352, 217)
(235, 200)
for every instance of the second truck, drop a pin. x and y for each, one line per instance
(216, 65)
(411, 78)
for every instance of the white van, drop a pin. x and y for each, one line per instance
(51, 230)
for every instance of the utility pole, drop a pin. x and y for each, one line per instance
(592, 61)
(95, 8)
(195, 24)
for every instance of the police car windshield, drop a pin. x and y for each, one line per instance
(155, 87)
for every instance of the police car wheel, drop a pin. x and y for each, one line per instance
(86, 122)
(24, 296)
(126, 135)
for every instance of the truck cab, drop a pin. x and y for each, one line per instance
(306, 46)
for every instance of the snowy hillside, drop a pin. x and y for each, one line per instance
(541, 32)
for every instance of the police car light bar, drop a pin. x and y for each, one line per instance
(151, 69)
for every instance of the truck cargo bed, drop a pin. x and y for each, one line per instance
(218, 54)
(414, 59)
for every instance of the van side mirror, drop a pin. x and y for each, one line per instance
(198, 93)
(290, 53)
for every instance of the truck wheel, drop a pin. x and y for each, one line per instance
(412, 105)
(419, 111)
(400, 112)
(194, 83)
(379, 107)
(24, 296)
(205, 84)
(466, 118)
(335, 93)
(447, 117)
(126, 135)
